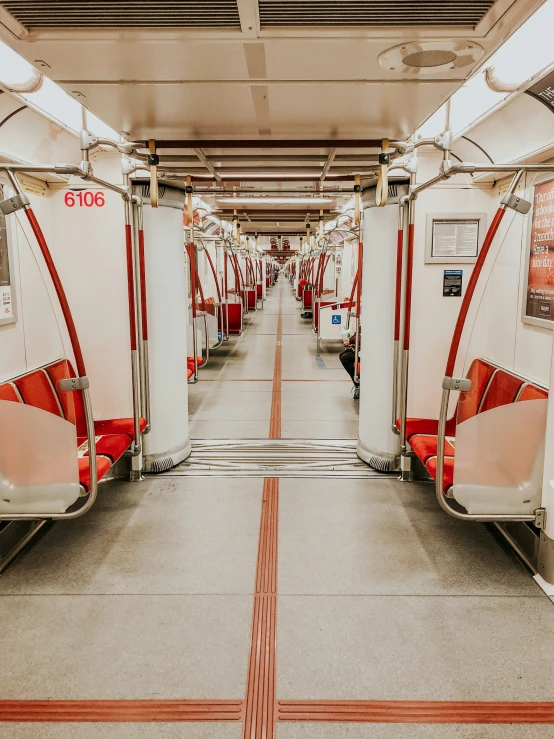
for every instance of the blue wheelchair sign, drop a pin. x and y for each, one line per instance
(336, 319)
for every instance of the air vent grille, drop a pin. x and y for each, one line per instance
(284, 13)
(37, 15)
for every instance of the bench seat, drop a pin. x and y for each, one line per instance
(491, 388)
(40, 388)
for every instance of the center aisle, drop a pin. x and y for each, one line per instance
(316, 400)
(251, 608)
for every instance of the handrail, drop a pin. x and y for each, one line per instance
(145, 384)
(397, 308)
(219, 300)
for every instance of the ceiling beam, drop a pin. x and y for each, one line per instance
(328, 163)
(266, 144)
(205, 161)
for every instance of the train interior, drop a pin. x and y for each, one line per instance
(277, 300)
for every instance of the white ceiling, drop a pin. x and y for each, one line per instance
(293, 81)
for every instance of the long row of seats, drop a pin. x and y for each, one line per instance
(491, 387)
(40, 388)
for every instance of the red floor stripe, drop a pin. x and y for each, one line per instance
(259, 721)
(260, 694)
(417, 712)
(120, 711)
(275, 418)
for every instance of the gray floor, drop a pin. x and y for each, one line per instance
(381, 596)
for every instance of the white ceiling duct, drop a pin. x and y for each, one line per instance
(125, 13)
(283, 13)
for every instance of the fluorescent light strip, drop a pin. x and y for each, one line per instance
(49, 100)
(526, 54)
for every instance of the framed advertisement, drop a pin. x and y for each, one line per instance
(8, 313)
(538, 293)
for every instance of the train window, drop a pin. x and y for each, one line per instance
(454, 237)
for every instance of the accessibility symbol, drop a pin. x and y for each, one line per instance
(336, 319)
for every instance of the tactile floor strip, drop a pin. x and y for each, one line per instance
(417, 712)
(120, 711)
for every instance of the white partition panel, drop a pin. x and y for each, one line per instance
(168, 442)
(377, 444)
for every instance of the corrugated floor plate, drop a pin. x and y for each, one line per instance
(274, 458)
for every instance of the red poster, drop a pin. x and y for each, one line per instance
(540, 282)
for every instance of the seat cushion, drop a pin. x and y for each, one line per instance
(532, 392)
(190, 373)
(427, 426)
(502, 390)
(118, 426)
(8, 392)
(426, 447)
(112, 446)
(37, 390)
(61, 371)
(448, 476)
(102, 467)
(479, 373)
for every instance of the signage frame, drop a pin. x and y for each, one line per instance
(458, 216)
(526, 248)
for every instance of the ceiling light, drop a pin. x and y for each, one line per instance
(17, 74)
(274, 201)
(524, 54)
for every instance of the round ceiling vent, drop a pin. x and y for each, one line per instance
(419, 58)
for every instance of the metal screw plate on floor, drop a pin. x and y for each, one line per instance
(273, 458)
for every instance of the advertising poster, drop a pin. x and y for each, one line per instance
(539, 298)
(7, 308)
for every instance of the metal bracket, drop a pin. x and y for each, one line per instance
(460, 384)
(412, 165)
(87, 140)
(516, 203)
(540, 518)
(11, 205)
(127, 166)
(444, 140)
(74, 383)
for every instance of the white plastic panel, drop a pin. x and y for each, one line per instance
(38, 460)
(500, 457)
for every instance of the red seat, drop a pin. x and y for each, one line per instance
(426, 426)
(8, 392)
(37, 390)
(119, 426)
(448, 475)
(102, 467)
(531, 392)
(426, 447)
(112, 446)
(480, 374)
(62, 370)
(502, 390)
(190, 373)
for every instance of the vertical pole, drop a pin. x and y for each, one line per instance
(408, 253)
(191, 253)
